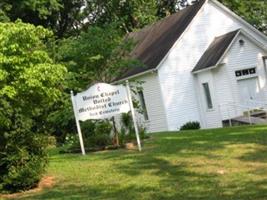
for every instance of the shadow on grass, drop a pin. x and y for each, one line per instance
(190, 186)
(259, 155)
(165, 159)
(201, 143)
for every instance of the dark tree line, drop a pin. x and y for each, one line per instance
(69, 17)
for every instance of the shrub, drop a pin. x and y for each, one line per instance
(126, 119)
(103, 127)
(102, 134)
(30, 87)
(52, 141)
(71, 140)
(142, 133)
(190, 126)
(88, 128)
(22, 161)
(129, 136)
(96, 134)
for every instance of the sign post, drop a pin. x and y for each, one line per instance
(133, 115)
(102, 101)
(77, 122)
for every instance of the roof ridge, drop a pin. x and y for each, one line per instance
(166, 17)
(236, 30)
(155, 41)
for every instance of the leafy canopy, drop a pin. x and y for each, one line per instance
(99, 54)
(30, 84)
(252, 11)
(70, 17)
(28, 76)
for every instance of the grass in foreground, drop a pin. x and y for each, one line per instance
(220, 164)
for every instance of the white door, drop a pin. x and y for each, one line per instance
(249, 90)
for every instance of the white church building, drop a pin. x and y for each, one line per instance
(203, 63)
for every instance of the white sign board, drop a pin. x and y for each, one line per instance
(101, 101)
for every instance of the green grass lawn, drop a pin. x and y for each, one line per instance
(209, 164)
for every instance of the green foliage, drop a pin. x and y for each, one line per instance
(190, 126)
(103, 127)
(88, 128)
(30, 85)
(166, 8)
(98, 54)
(127, 122)
(252, 11)
(71, 141)
(96, 135)
(70, 17)
(23, 160)
(128, 15)
(61, 118)
(99, 134)
(61, 16)
(127, 132)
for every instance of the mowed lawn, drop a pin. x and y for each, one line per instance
(215, 164)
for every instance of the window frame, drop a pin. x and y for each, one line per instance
(142, 102)
(246, 76)
(207, 96)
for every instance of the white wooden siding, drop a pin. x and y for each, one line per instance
(225, 85)
(239, 57)
(176, 80)
(211, 116)
(155, 108)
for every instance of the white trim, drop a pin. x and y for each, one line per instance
(136, 75)
(207, 109)
(242, 77)
(204, 70)
(182, 35)
(248, 25)
(227, 10)
(220, 5)
(253, 39)
(247, 77)
(167, 54)
(246, 34)
(228, 48)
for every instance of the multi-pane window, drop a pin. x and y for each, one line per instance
(207, 95)
(245, 72)
(143, 104)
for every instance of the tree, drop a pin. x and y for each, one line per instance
(69, 17)
(99, 54)
(61, 16)
(128, 15)
(166, 8)
(30, 84)
(252, 11)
